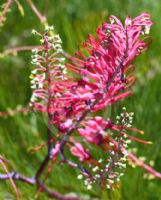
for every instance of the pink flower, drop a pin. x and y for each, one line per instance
(94, 130)
(55, 150)
(78, 151)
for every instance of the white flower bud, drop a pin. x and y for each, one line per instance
(80, 176)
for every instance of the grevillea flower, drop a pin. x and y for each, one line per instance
(78, 151)
(104, 67)
(110, 53)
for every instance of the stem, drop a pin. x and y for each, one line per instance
(41, 168)
(41, 17)
(59, 196)
(17, 176)
(49, 92)
(2, 16)
(14, 50)
(140, 163)
(32, 181)
(10, 178)
(14, 112)
(47, 158)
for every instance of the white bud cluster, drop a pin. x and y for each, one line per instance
(113, 178)
(96, 175)
(55, 43)
(125, 118)
(34, 57)
(49, 28)
(37, 76)
(51, 50)
(88, 184)
(118, 155)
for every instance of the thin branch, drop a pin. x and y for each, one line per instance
(13, 112)
(6, 7)
(60, 196)
(32, 181)
(49, 92)
(17, 176)
(41, 168)
(41, 17)
(14, 50)
(10, 178)
(140, 163)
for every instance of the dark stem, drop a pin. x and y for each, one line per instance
(17, 176)
(41, 168)
(49, 91)
(32, 181)
(49, 137)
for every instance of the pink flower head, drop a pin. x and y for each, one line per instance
(115, 45)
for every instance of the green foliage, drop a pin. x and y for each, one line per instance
(73, 20)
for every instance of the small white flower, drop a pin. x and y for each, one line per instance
(131, 114)
(110, 181)
(35, 51)
(129, 125)
(121, 174)
(124, 108)
(80, 176)
(61, 59)
(95, 169)
(36, 79)
(112, 21)
(43, 76)
(111, 144)
(40, 85)
(49, 28)
(85, 182)
(100, 160)
(34, 71)
(64, 71)
(108, 186)
(33, 98)
(33, 31)
(42, 41)
(147, 30)
(33, 87)
(89, 187)
(97, 176)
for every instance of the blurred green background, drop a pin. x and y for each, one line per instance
(73, 20)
